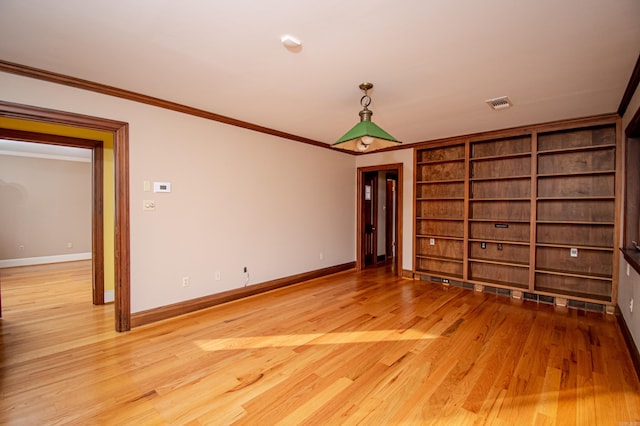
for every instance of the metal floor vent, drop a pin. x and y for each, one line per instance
(499, 103)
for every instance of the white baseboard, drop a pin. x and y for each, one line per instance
(109, 296)
(27, 261)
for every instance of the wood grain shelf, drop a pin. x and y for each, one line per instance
(568, 274)
(574, 222)
(578, 246)
(456, 160)
(576, 149)
(513, 177)
(495, 262)
(440, 237)
(592, 173)
(431, 182)
(501, 157)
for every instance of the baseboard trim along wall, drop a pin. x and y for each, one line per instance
(407, 274)
(628, 338)
(28, 261)
(173, 310)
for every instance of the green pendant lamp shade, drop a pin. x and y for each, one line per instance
(366, 135)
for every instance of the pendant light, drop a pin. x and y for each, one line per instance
(366, 135)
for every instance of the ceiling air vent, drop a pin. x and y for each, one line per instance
(499, 103)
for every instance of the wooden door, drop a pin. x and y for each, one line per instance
(369, 218)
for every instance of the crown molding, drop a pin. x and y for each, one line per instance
(52, 77)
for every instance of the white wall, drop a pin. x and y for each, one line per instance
(404, 156)
(239, 198)
(629, 285)
(45, 206)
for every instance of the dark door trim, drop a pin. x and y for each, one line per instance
(120, 131)
(398, 169)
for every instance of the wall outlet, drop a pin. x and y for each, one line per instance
(483, 245)
(185, 281)
(217, 276)
(445, 281)
(573, 252)
(321, 255)
(631, 305)
(69, 245)
(432, 241)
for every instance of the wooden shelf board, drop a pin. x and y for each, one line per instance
(441, 199)
(438, 274)
(431, 182)
(570, 174)
(501, 284)
(500, 157)
(430, 162)
(442, 258)
(583, 297)
(598, 277)
(498, 262)
(490, 178)
(440, 237)
(441, 218)
(515, 243)
(571, 222)
(501, 199)
(577, 149)
(587, 198)
(500, 220)
(581, 247)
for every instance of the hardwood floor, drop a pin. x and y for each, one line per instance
(353, 348)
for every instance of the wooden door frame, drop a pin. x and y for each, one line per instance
(120, 132)
(391, 205)
(398, 169)
(97, 195)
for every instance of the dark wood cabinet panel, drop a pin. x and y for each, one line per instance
(499, 231)
(588, 235)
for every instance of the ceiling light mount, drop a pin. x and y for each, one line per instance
(291, 43)
(366, 135)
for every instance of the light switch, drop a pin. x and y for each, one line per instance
(147, 186)
(148, 205)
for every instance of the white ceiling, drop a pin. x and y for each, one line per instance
(41, 150)
(433, 63)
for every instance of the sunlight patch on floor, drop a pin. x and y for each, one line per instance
(293, 340)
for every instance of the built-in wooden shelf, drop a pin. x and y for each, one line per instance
(536, 211)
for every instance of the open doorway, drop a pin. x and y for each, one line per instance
(379, 217)
(52, 166)
(55, 123)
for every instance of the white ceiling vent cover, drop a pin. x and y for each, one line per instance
(502, 102)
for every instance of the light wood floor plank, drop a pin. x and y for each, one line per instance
(353, 348)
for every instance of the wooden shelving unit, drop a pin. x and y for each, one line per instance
(534, 211)
(440, 222)
(576, 204)
(500, 212)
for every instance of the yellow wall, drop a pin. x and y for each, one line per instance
(109, 187)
